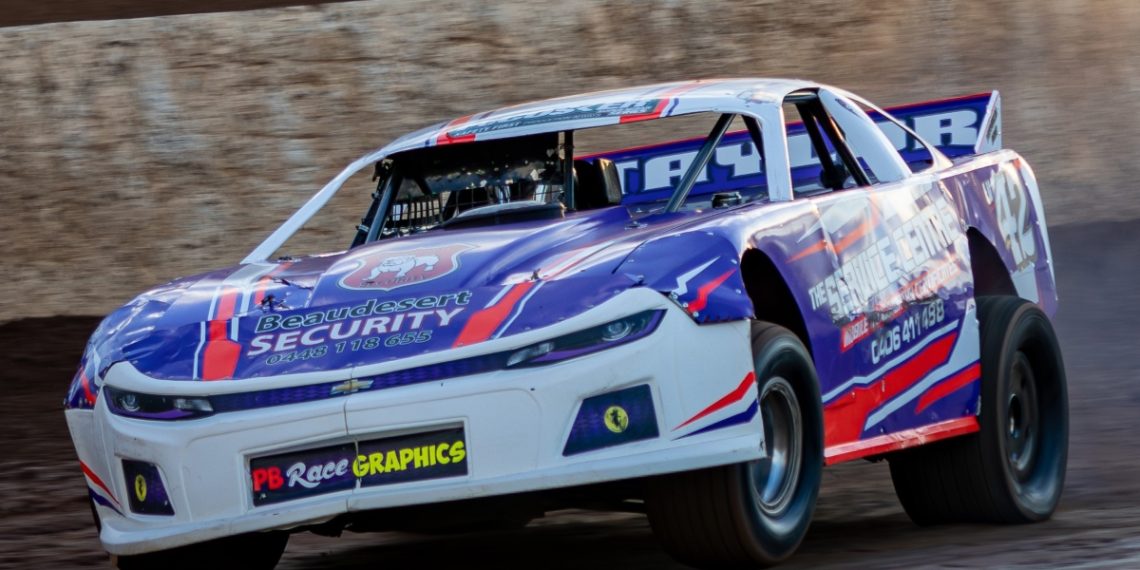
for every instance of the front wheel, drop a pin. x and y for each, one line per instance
(255, 551)
(753, 513)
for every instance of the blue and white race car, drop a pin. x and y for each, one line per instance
(693, 328)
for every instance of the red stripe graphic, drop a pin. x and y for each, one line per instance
(813, 248)
(729, 399)
(852, 237)
(482, 324)
(220, 357)
(847, 241)
(446, 138)
(703, 293)
(263, 283)
(86, 384)
(844, 418)
(662, 103)
(97, 481)
(949, 386)
(901, 440)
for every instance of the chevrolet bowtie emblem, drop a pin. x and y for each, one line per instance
(350, 387)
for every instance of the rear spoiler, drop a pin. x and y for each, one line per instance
(960, 126)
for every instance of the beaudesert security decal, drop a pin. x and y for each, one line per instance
(365, 326)
(412, 457)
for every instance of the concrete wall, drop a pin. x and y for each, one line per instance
(134, 151)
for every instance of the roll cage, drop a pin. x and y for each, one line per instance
(827, 112)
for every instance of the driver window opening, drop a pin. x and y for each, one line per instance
(820, 158)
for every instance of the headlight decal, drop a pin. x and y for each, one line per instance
(593, 339)
(146, 494)
(154, 407)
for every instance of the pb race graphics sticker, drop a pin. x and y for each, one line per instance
(387, 270)
(412, 457)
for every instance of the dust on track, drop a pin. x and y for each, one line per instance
(44, 521)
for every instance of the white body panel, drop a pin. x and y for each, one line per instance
(516, 421)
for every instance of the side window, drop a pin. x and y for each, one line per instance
(915, 153)
(821, 160)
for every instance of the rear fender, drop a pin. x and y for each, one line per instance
(1003, 205)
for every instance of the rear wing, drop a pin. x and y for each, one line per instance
(960, 126)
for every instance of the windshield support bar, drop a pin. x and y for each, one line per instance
(568, 169)
(699, 163)
(391, 186)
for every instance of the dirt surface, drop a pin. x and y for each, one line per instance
(44, 521)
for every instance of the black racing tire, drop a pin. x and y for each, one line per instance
(254, 551)
(754, 513)
(1013, 470)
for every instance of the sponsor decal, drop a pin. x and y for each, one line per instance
(369, 325)
(874, 271)
(306, 473)
(140, 488)
(412, 457)
(1012, 207)
(579, 113)
(617, 419)
(390, 270)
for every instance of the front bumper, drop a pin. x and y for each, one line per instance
(517, 423)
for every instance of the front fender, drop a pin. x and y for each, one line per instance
(699, 270)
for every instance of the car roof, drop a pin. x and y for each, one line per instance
(601, 108)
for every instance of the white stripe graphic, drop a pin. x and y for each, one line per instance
(499, 296)
(684, 278)
(518, 310)
(198, 351)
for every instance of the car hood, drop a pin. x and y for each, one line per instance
(379, 302)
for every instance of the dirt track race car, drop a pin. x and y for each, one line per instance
(692, 329)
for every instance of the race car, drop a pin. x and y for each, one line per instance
(692, 329)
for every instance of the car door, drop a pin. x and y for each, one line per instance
(895, 292)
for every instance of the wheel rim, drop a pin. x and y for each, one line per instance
(779, 471)
(1022, 414)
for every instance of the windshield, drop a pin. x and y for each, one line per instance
(435, 185)
(525, 178)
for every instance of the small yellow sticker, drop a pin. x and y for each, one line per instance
(140, 488)
(616, 418)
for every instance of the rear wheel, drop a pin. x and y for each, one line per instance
(753, 513)
(255, 551)
(1013, 469)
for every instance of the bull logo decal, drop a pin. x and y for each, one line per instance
(402, 264)
(389, 270)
